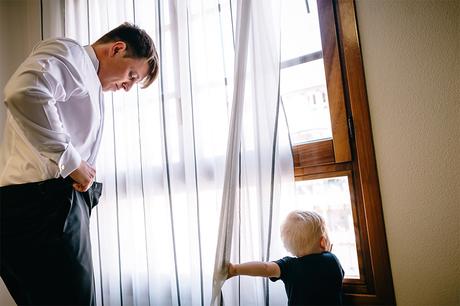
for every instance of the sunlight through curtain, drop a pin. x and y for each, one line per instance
(163, 156)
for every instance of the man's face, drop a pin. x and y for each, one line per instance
(120, 72)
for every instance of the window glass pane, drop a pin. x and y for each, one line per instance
(300, 33)
(330, 197)
(303, 80)
(304, 96)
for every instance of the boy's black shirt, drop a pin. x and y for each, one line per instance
(314, 279)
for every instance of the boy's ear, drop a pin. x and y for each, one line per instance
(323, 243)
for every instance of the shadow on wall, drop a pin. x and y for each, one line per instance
(2, 119)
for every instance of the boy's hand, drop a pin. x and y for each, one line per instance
(231, 271)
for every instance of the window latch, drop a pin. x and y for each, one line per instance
(351, 128)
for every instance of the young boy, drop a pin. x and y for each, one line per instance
(314, 276)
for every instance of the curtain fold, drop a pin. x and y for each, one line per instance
(232, 181)
(163, 155)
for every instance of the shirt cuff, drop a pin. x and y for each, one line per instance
(69, 161)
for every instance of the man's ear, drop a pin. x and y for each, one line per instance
(117, 47)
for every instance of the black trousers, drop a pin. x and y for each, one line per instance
(45, 248)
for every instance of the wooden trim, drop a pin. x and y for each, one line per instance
(366, 282)
(362, 284)
(319, 171)
(332, 68)
(315, 153)
(366, 177)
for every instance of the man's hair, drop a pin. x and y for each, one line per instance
(302, 231)
(138, 45)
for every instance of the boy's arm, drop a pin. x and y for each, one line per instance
(254, 268)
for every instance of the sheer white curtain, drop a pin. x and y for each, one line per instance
(163, 157)
(254, 174)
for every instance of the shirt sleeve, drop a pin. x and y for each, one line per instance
(282, 263)
(337, 261)
(31, 96)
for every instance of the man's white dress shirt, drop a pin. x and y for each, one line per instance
(54, 113)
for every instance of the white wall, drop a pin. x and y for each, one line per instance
(19, 31)
(411, 59)
(410, 51)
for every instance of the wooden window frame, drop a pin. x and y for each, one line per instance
(351, 152)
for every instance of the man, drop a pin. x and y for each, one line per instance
(53, 130)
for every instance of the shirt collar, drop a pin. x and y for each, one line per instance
(92, 56)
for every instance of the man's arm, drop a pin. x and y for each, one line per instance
(34, 108)
(31, 98)
(254, 268)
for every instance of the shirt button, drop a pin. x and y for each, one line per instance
(62, 167)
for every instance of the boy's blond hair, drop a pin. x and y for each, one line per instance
(302, 231)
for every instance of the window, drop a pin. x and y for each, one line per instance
(324, 99)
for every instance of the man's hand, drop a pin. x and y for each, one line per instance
(83, 176)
